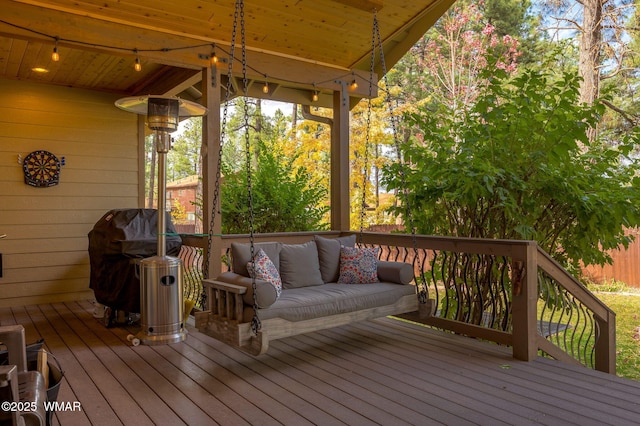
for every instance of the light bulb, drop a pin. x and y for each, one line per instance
(265, 88)
(55, 56)
(137, 66)
(354, 85)
(214, 58)
(314, 98)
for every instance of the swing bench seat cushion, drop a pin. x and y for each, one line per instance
(303, 303)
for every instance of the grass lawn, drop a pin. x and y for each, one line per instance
(627, 309)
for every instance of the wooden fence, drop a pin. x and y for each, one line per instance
(625, 266)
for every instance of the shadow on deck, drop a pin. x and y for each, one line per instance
(378, 372)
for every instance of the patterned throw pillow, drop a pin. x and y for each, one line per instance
(266, 271)
(358, 265)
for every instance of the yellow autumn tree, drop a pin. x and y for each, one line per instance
(371, 142)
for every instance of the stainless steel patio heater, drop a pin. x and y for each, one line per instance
(161, 279)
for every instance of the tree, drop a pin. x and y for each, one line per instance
(603, 40)
(515, 170)
(178, 212)
(371, 141)
(284, 198)
(446, 63)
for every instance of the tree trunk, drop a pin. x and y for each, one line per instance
(590, 48)
(294, 120)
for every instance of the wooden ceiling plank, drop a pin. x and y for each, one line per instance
(17, 52)
(142, 15)
(5, 51)
(368, 5)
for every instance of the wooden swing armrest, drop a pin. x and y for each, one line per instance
(228, 287)
(224, 301)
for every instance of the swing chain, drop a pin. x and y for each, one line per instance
(365, 160)
(422, 290)
(255, 321)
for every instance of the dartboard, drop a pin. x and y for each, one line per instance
(41, 169)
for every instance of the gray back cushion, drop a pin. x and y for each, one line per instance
(241, 255)
(329, 255)
(299, 265)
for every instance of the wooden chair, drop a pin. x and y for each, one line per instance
(18, 385)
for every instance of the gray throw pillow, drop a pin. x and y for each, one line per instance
(299, 265)
(329, 255)
(241, 255)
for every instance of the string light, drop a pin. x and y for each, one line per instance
(55, 56)
(137, 66)
(314, 97)
(212, 58)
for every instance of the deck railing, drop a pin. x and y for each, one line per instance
(506, 291)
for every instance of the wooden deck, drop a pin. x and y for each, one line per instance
(378, 372)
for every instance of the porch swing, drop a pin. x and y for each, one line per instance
(247, 312)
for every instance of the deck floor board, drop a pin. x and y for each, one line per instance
(464, 369)
(385, 372)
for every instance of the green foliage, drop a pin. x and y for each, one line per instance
(520, 166)
(285, 199)
(626, 308)
(610, 286)
(183, 159)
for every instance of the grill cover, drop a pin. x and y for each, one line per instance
(116, 241)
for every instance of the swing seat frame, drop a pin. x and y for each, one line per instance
(224, 320)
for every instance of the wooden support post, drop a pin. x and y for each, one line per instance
(525, 298)
(340, 161)
(210, 153)
(605, 346)
(142, 159)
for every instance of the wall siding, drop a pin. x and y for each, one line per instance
(45, 255)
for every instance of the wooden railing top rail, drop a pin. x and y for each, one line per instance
(573, 286)
(453, 244)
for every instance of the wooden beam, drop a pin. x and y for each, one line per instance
(366, 5)
(396, 45)
(210, 161)
(169, 82)
(340, 161)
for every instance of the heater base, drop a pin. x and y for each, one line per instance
(161, 339)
